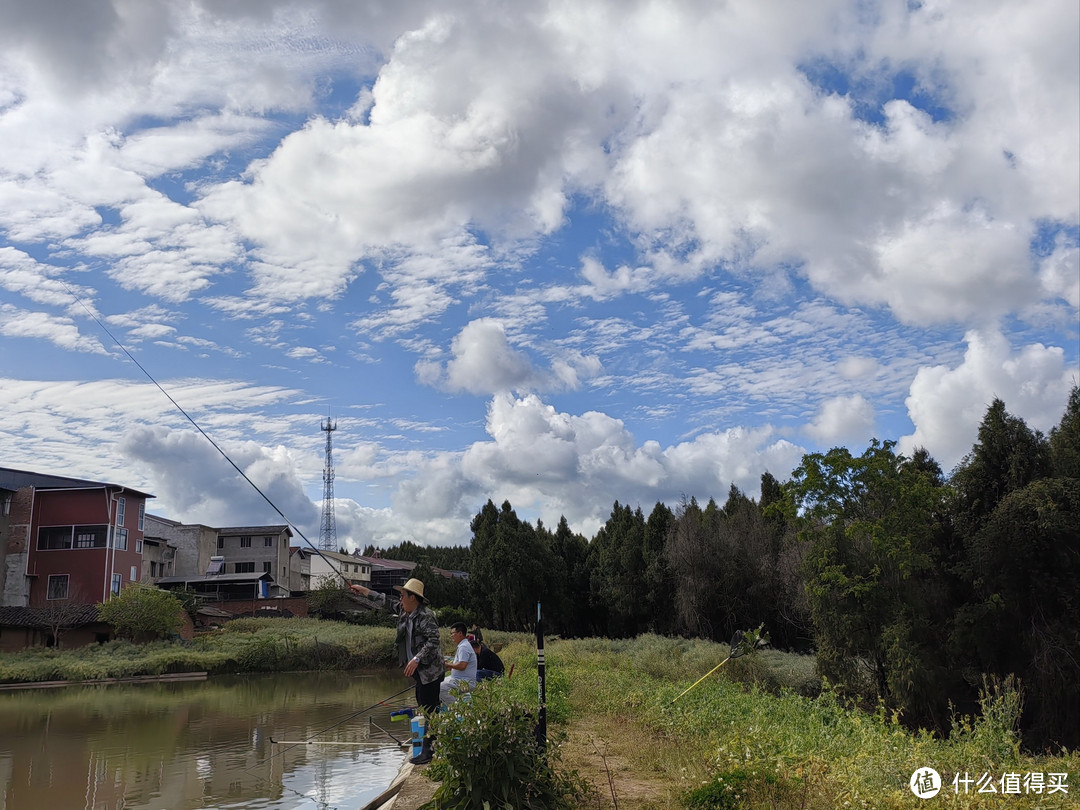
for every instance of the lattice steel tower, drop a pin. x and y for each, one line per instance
(328, 530)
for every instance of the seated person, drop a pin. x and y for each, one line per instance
(488, 664)
(463, 666)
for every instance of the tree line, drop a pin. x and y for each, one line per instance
(910, 586)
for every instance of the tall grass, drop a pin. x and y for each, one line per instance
(243, 645)
(764, 733)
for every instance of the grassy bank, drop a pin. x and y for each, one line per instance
(243, 645)
(763, 734)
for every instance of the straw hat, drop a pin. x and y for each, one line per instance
(413, 586)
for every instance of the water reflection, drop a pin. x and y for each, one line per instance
(190, 746)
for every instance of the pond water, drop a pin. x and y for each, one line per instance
(227, 742)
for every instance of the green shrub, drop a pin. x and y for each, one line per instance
(488, 757)
(142, 613)
(733, 790)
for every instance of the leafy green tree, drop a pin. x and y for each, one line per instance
(329, 598)
(488, 554)
(566, 604)
(704, 568)
(1007, 456)
(142, 613)
(511, 568)
(450, 558)
(1065, 440)
(659, 580)
(790, 622)
(1021, 562)
(618, 583)
(872, 523)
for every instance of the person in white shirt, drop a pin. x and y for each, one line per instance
(463, 667)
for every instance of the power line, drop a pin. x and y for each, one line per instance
(205, 435)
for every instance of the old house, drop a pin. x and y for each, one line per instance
(67, 539)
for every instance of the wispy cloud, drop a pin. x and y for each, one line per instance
(562, 254)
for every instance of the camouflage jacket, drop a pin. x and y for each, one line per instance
(426, 645)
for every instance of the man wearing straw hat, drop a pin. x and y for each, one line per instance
(418, 647)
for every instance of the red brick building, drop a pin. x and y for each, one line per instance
(67, 539)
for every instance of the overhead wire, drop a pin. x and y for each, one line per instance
(264, 496)
(204, 434)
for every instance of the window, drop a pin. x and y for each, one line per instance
(5, 504)
(245, 568)
(54, 537)
(221, 542)
(58, 586)
(153, 569)
(134, 573)
(121, 510)
(117, 581)
(142, 515)
(121, 540)
(245, 542)
(91, 536)
(138, 546)
(268, 541)
(268, 567)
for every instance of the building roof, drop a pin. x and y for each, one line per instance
(75, 616)
(17, 479)
(176, 523)
(228, 579)
(382, 562)
(337, 555)
(278, 529)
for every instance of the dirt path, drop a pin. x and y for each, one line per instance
(613, 759)
(616, 762)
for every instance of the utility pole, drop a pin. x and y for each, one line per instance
(328, 529)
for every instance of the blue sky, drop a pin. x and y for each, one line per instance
(555, 253)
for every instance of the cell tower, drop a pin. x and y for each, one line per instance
(328, 530)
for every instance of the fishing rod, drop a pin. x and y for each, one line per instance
(205, 435)
(299, 532)
(311, 740)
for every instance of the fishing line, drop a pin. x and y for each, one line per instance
(346, 719)
(273, 506)
(291, 746)
(205, 435)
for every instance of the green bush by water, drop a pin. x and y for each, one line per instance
(488, 755)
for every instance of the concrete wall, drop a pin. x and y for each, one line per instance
(276, 554)
(14, 541)
(195, 544)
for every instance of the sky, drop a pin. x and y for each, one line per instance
(559, 252)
